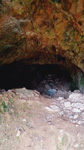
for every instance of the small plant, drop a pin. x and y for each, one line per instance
(3, 107)
(6, 107)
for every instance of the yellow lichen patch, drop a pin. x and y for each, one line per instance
(60, 25)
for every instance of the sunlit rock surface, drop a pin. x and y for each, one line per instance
(42, 32)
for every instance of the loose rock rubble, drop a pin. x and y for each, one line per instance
(53, 86)
(71, 108)
(39, 119)
(70, 105)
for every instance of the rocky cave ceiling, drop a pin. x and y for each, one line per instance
(42, 32)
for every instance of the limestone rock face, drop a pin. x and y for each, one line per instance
(42, 32)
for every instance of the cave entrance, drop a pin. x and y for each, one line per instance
(36, 77)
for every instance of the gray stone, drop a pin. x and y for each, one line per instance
(75, 116)
(74, 97)
(76, 110)
(77, 105)
(54, 107)
(47, 86)
(80, 122)
(60, 98)
(82, 108)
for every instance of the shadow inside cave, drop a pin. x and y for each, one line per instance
(34, 77)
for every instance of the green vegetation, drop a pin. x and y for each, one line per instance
(64, 140)
(63, 143)
(73, 85)
(77, 82)
(81, 81)
(6, 107)
(3, 107)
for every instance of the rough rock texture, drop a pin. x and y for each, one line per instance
(42, 31)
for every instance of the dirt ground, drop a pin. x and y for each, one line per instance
(27, 122)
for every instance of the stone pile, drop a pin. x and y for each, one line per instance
(53, 86)
(71, 108)
(69, 105)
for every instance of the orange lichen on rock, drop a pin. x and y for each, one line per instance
(66, 4)
(35, 30)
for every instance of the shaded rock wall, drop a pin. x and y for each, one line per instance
(42, 32)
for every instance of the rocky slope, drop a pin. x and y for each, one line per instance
(29, 121)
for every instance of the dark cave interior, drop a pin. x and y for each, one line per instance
(18, 75)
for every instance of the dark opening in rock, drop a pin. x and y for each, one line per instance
(43, 78)
(18, 75)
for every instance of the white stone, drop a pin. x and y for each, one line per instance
(80, 122)
(67, 104)
(24, 120)
(77, 91)
(75, 96)
(76, 110)
(61, 131)
(77, 105)
(75, 116)
(54, 107)
(71, 117)
(76, 145)
(60, 98)
(82, 108)
(77, 125)
(47, 108)
(18, 133)
(59, 139)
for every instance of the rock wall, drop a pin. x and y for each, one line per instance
(42, 32)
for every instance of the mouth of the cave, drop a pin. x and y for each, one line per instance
(35, 77)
